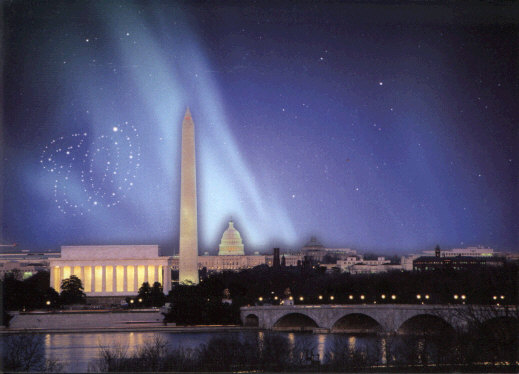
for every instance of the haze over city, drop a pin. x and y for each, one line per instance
(364, 126)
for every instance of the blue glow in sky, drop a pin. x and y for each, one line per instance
(381, 128)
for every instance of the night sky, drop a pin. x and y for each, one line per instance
(386, 128)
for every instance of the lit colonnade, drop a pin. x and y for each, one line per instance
(111, 270)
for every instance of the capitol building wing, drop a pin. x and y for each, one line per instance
(111, 270)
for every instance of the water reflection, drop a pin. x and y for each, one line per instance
(352, 341)
(77, 351)
(383, 351)
(321, 342)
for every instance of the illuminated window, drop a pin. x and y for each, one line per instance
(119, 274)
(130, 278)
(151, 274)
(140, 275)
(109, 274)
(98, 279)
(66, 272)
(88, 278)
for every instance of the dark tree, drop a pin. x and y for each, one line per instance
(157, 297)
(72, 291)
(144, 296)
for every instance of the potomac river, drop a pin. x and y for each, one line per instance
(77, 351)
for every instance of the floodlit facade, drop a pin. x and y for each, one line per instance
(231, 243)
(111, 270)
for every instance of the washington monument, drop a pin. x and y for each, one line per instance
(188, 246)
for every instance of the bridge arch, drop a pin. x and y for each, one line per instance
(295, 321)
(357, 323)
(425, 324)
(251, 320)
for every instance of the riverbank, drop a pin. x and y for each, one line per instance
(129, 328)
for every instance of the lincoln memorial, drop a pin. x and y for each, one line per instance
(111, 270)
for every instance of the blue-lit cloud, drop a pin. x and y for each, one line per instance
(160, 80)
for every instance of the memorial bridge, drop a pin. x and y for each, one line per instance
(386, 318)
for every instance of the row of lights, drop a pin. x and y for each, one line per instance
(383, 297)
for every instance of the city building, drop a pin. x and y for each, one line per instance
(231, 243)
(357, 265)
(430, 263)
(287, 259)
(316, 252)
(22, 263)
(109, 271)
(479, 251)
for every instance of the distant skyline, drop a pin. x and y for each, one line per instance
(382, 127)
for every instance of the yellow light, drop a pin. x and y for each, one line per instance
(301, 298)
(66, 272)
(320, 297)
(131, 301)
(260, 298)
(275, 297)
(331, 297)
(463, 297)
(383, 296)
(48, 302)
(98, 279)
(456, 297)
(140, 300)
(57, 279)
(87, 270)
(502, 297)
(151, 274)
(393, 297)
(362, 297)
(109, 277)
(494, 297)
(350, 297)
(418, 296)
(291, 298)
(140, 275)
(130, 278)
(119, 278)
(427, 296)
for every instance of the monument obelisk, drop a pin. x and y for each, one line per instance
(188, 245)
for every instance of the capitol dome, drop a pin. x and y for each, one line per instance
(231, 243)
